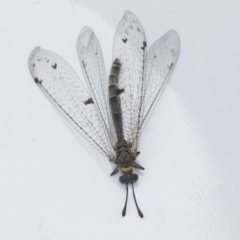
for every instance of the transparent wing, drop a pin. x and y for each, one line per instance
(161, 60)
(130, 48)
(65, 90)
(92, 63)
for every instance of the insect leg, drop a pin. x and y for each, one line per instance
(115, 171)
(136, 165)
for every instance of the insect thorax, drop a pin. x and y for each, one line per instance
(124, 156)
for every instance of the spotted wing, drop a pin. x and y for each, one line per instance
(69, 95)
(142, 77)
(130, 47)
(161, 60)
(92, 63)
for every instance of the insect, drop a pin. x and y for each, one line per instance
(110, 113)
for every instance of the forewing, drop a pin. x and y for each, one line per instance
(65, 90)
(161, 60)
(92, 63)
(130, 48)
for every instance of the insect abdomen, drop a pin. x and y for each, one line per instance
(114, 99)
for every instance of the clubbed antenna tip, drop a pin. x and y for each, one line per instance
(125, 206)
(139, 211)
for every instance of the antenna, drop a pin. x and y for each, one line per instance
(125, 206)
(139, 211)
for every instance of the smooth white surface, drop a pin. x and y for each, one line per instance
(54, 186)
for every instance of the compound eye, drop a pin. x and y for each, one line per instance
(135, 177)
(122, 179)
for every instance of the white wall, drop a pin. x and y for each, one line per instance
(54, 186)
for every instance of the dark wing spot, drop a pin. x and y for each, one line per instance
(170, 66)
(138, 29)
(89, 101)
(124, 40)
(144, 45)
(47, 60)
(95, 53)
(54, 66)
(33, 65)
(155, 56)
(130, 27)
(37, 80)
(39, 59)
